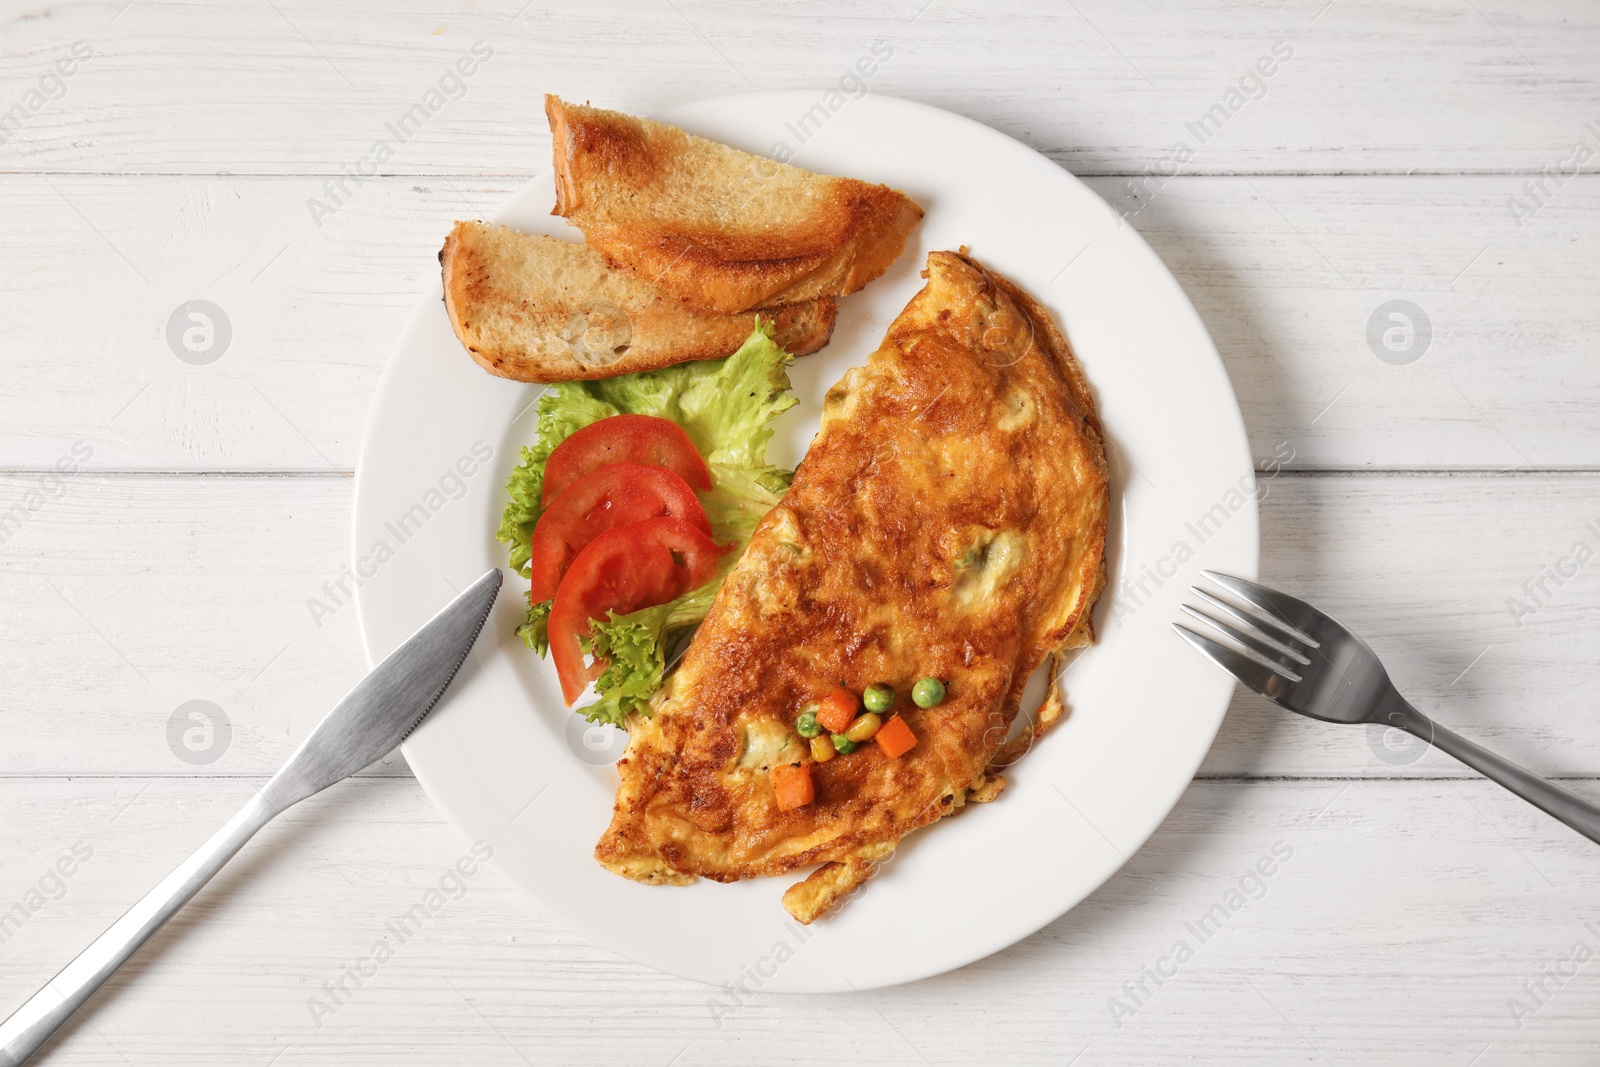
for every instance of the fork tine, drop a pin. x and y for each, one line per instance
(1251, 674)
(1270, 632)
(1293, 616)
(1260, 643)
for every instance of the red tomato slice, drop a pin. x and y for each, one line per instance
(618, 494)
(623, 570)
(642, 439)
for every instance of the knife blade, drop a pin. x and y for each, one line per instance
(366, 725)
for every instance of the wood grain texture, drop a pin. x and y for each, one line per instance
(300, 87)
(1434, 572)
(127, 597)
(1287, 272)
(1376, 898)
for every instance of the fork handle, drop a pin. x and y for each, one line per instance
(1548, 797)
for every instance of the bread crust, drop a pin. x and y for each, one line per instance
(539, 309)
(716, 227)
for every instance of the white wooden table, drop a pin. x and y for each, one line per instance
(1425, 152)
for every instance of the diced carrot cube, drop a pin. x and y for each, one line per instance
(838, 710)
(792, 786)
(895, 737)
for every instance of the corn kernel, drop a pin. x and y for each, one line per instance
(864, 727)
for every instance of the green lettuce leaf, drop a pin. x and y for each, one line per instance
(535, 632)
(726, 406)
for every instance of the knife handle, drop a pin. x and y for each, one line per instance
(32, 1024)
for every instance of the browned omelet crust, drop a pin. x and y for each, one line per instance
(948, 520)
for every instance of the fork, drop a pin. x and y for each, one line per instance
(1302, 659)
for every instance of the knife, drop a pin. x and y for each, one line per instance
(367, 724)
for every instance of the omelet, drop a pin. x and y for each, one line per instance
(948, 521)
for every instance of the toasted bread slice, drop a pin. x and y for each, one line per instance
(720, 228)
(540, 309)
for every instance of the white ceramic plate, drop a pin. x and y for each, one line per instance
(508, 764)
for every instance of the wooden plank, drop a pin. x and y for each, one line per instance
(1297, 280)
(1287, 273)
(130, 596)
(1444, 897)
(299, 87)
(311, 315)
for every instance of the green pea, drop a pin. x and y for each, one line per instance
(878, 698)
(843, 745)
(928, 693)
(807, 725)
